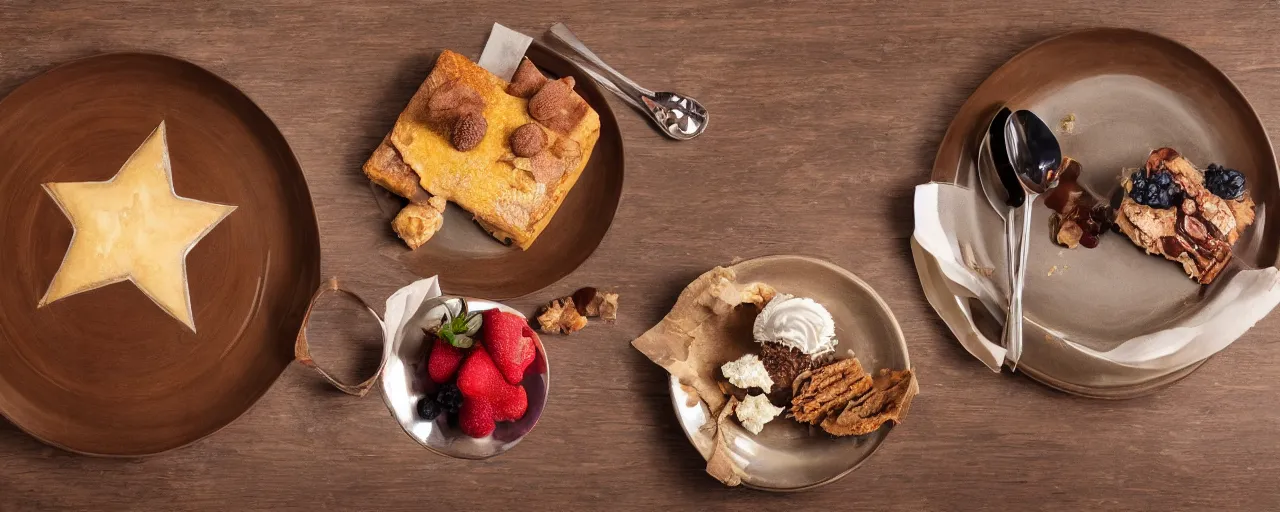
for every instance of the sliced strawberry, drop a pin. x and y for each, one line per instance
(444, 360)
(479, 379)
(476, 418)
(510, 342)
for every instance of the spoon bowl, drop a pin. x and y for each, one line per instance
(1033, 150)
(678, 116)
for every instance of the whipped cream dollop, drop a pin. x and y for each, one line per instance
(797, 322)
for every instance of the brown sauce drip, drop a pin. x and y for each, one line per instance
(1074, 204)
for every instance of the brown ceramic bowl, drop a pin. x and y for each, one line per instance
(472, 263)
(106, 372)
(1129, 92)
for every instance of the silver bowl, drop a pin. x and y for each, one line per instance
(404, 382)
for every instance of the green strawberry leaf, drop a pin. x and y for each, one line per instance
(462, 341)
(447, 335)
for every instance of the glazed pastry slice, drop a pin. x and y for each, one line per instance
(1196, 230)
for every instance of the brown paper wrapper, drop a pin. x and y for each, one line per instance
(710, 324)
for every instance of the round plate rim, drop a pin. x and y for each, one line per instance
(312, 226)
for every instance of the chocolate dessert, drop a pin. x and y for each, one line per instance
(784, 365)
(1078, 218)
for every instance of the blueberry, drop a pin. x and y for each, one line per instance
(1223, 182)
(428, 409)
(1164, 179)
(1161, 200)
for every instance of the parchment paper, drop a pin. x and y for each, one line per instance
(704, 329)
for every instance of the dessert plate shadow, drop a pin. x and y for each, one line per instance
(472, 263)
(107, 372)
(786, 455)
(1111, 96)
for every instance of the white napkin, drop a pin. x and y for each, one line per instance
(939, 247)
(402, 306)
(503, 52)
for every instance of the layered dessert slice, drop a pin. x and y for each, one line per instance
(507, 152)
(1193, 217)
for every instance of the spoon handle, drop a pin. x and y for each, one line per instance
(1011, 258)
(621, 85)
(1015, 348)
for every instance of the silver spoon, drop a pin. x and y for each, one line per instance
(994, 172)
(680, 117)
(1036, 157)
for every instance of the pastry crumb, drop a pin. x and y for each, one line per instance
(567, 315)
(1068, 124)
(1052, 270)
(971, 261)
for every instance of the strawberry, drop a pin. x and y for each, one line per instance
(479, 379)
(444, 360)
(476, 418)
(510, 342)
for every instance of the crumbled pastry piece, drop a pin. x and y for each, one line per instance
(453, 100)
(754, 411)
(820, 392)
(560, 316)
(747, 372)
(567, 315)
(1167, 210)
(887, 401)
(527, 80)
(418, 222)
(846, 401)
(555, 106)
(528, 140)
(468, 131)
(723, 294)
(592, 303)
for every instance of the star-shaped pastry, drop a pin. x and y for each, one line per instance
(133, 226)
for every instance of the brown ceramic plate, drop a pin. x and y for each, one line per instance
(472, 263)
(786, 455)
(1130, 92)
(106, 372)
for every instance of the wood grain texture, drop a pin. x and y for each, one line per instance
(826, 116)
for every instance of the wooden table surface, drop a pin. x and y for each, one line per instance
(826, 116)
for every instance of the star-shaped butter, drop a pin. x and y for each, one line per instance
(135, 227)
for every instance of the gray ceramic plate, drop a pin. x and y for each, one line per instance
(789, 456)
(404, 383)
(1130, 92)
